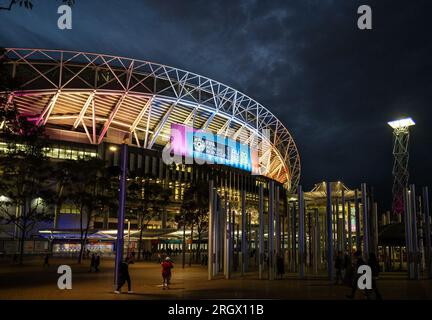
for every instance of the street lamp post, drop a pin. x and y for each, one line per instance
(121, 211)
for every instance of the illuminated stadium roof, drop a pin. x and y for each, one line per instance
(92, 98)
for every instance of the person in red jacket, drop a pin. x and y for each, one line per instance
(167, 265)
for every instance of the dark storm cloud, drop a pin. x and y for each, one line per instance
(332, 85)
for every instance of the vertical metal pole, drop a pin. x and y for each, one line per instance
(365, 221)
(414, 232)
(184, 241)
(129, 229)
(288, 230)
(357, 220)
(405, 214)
(349, 229)
(316, 240)
(228, 251)
(121, 212)
(343, 222)
(427, 219)
(210, 232)
(261, 229)
(337, 226)
(221, 235)
(243, 235)
(232, 238)
(420, 232)
(375, 227)
(329, 232)
(256, 240)
(215, 232)
(216, 223)
(278, 226)
(283, 221)
(408, 230)
(301, 233)
(294, 238)
(238, 245)
(249, 240)
(271, 231)
(227, 236)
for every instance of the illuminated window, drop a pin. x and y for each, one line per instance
(69, 209)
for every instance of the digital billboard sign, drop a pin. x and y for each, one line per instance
(203, 146)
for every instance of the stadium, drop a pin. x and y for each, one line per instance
(92, 103)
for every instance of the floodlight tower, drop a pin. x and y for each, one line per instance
(400, 166)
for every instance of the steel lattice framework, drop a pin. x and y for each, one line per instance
(400, 167)
(98, 96)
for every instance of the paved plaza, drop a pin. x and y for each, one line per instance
(33, 281)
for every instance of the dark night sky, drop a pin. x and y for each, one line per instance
(332, 85)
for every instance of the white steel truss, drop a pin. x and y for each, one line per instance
(64, 89)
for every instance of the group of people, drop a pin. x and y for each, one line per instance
(95, 262)
(124, 276)
(204, 259)
(346, 272)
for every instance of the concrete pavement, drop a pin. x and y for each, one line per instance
(33, 281)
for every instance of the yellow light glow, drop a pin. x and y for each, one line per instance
(113, 148)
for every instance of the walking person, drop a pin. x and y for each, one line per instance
(280, 266)
(92, 262)
(374, 265)
(46, 260)
(338, 267)
(97, 262)
(132, 257)
(358, 262)
(167, 265)
(348, 271)
(124, 276)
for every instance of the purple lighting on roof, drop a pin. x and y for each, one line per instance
(178, 139)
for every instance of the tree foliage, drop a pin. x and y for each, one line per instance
(194, 209)
(147, 201)
(24, 173)
(87, 184)
(28, 4)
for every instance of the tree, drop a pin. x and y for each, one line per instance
(88, 188)
(195, 211)
(147, 200)
(24, 174)
(62, 178)
(28, 4)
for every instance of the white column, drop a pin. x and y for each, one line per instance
(271, 231)
(210, 232)
(261, 230)
(301, 233)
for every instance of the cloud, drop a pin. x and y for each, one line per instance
(332, 85)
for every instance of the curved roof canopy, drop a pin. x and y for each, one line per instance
(93, 98)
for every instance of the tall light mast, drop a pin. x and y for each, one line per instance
(400, 167)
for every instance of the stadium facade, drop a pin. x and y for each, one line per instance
(91, 103)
